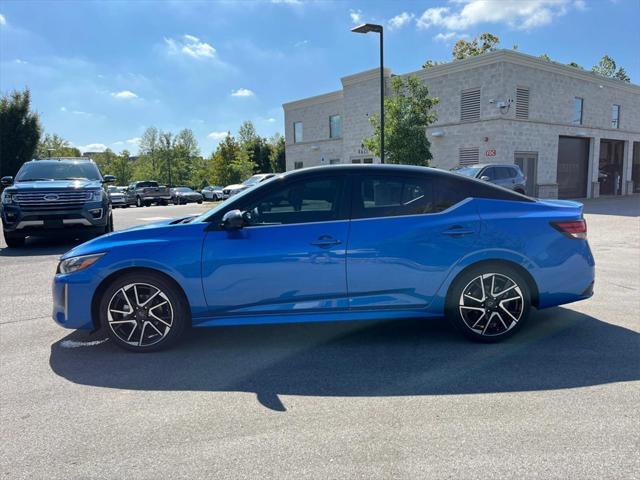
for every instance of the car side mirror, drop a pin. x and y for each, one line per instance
(6, 181)
(233, 220)
(485, 178)
(108, 179)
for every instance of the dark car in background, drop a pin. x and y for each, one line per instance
(144, 193)
(50, 195)
(183, 195)
(505, 175)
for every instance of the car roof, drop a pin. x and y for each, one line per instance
(62, 160)
(386, 169)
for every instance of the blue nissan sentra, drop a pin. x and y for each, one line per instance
(351, 242)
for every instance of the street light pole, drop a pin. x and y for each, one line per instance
(366, 28)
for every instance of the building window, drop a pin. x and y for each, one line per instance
(367, 160)
(522, 103)
(297, 165)
(470, 105)
(334, 161)
(335, 126)
(578, 104)
(297, 132)
(356, 160)
(469, 156)
(615, 116)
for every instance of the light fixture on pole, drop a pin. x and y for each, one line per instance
(372, 27)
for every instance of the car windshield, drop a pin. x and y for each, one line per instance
(183, 189)
(467, 171)
(59, 170)
(113, 190)
(147, 184)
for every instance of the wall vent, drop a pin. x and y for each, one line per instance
(522, 103)
(470, 105)
(469, 156)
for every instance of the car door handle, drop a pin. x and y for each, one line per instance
(325, 241)
(458, 231)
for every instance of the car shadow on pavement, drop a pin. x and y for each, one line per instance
(39, 246)
(623, 206)
(559, 348)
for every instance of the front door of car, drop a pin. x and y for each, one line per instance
(406, 234)
(289, 257)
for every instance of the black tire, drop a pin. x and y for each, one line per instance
(199, 202)
(162, 202)
(500, 314)
(122, 327)
(138, 202)
(175, 201)
(13, 240)
(147, 204)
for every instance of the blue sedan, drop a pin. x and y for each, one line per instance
(351, 242)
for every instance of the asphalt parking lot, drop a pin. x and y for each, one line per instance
(408, 399)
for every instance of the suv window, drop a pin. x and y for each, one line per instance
(146, 184)
(490, 172)
(504, 173)
(384, 196)
(313, 200)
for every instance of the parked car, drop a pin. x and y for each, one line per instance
(212, 193)
(231, 190)
(118, 196)
(504, 174)
(183, 195)
(49, 195)
(332, 243)
(147, 192)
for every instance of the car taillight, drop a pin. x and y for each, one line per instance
(573, 228)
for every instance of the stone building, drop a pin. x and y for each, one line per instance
(574, 133)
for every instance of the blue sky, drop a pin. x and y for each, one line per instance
(100, 73)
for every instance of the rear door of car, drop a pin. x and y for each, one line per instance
(289, 257)
(406, 233)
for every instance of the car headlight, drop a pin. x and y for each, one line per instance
(7, 198)
(75, 264)
(96, 195)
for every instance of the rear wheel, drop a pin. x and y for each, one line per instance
(489, 303)
(143, 312)
(138, 202)
(14, 240)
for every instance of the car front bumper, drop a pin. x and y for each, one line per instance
(92, 214)
(72, 297)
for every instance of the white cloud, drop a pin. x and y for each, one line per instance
(134, 141)
(92, 147)
(20, 61)
(217, 135)
(520, 14)
(242, 92)
(271, 120)
(124, 95)
(3, 20)
(356, 16)
(301, 43)
(444, 37)
(63, 109)
(191, 46)
(400, 20)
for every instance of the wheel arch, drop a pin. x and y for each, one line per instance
(107, 281)
(531, 283)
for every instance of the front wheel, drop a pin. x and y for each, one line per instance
(14, 240)
(489, 303)
(138, 202)
(143, 312)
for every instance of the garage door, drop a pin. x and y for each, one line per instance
(573, 165)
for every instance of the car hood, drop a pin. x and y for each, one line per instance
(55, 185)
(139, 233)
(235, 186)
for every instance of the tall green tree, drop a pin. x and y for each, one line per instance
(148, 148)
(607, 68)
(53, 145)
(485, 42)
(105, 161)
(258, 148)
(20, 131)
(230, 163)
(185, 150)
(277, 157)
(122, 168)
(408, 113)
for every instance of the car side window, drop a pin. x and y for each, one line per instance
(384, 196)
(490, 172)
(304, 201)
(504, 173)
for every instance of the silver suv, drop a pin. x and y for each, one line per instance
(506, 175)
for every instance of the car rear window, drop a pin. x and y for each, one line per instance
(147, 184)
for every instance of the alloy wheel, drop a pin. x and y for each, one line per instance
(140, 314)
(491, 304)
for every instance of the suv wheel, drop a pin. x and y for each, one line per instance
(489, 303)
(13, 240)
(138, 202)
(143, 312)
